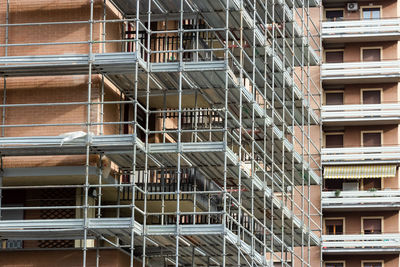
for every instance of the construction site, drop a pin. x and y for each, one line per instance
(160, 133)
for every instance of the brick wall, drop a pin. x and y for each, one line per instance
(26, 11)
(108, 258)
(61, 89)
(56, 89)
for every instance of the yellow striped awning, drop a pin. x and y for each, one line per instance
(359, 171)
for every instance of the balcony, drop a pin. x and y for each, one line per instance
(361, 30)
(360, 155)
(162, 184)
(360, 114)
(361, 72)
(361, 200)
(361, 244)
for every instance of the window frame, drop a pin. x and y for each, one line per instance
(333, 9)
(369, 89)
(371, 131)
(372, 217)
(382, 184)
(333, 91)
(334, 218)
(373, 6)
(332, 133)
(333, 50)
(367, 261)
(370, 48)
(342, 262)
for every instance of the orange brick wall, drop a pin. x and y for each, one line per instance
(26, 11)
(108, 258)
(60, 89)
(111, 111)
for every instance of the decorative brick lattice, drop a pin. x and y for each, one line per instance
(56, 243)
(57, 197)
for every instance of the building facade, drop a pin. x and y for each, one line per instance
(360, 156)
(160, 133)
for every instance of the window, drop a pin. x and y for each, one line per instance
(334, 226)
(372, 226)
(334, 56)
(371, 96)
(371, 54)
(352, 185)
(369, 183)
(334, 264)
(333, 184)
(333, 15)
(371, 13)
(372, 264)
(372, 139)
(334, 98)
(278, 264)
(333, 140)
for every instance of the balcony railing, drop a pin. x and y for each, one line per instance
(382, 199)
(360, 243)
(361, 72)
(162, 184)
(389, 29)
(361, 155)
(383, 113)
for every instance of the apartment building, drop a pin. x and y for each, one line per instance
(160, 133)
(360, 154)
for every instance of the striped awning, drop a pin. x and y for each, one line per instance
(359, 171)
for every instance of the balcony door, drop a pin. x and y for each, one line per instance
(334, 226)
(372, 226)
(371, 54)
(371, 139)
(371, 12)
(371, 96)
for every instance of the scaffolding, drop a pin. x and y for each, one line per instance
(207, 153)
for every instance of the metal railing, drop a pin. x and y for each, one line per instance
(165, 182)
(200, 45)
(192, 119)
